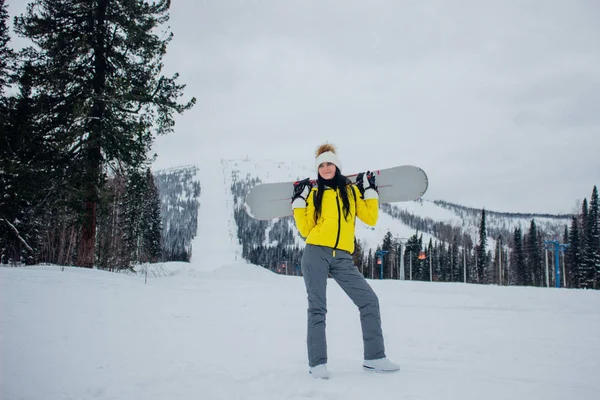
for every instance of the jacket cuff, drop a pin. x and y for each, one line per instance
(371, 193)
(299, 202)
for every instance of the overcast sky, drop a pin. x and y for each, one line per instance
(499, 101)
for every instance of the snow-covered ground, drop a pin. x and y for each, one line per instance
(238, 332)
(219, 328)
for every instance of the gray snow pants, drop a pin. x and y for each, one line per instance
(317, 263)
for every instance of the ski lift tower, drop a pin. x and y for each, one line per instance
(401, 272)
(558, 247)
(380, 254)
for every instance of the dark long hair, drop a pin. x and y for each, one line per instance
(338, 181)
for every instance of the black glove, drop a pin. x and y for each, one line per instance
(301, 190)
(366, 181)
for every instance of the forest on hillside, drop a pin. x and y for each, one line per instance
(454, 255)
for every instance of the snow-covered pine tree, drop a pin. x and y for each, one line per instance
(586, 267)
(388, 258)
(533, 256)
(573, 255)
(518, 269)
(411, 253)
(455, 262)
(481, 249)
(152, 221)
(444, 267)
(594, 237)
(428, 262)
(27, 165)
(133, 205)
(13, 234)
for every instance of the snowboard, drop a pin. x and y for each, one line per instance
(274, 200)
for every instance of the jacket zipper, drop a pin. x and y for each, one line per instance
(337, 239)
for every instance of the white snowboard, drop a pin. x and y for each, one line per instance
(273, 200)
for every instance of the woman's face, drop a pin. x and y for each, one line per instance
(327, 170)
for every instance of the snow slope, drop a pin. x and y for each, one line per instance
(216, 241)
(238, 332)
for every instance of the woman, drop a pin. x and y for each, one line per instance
(325, 216)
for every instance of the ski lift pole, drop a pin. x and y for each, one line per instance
(558, 248)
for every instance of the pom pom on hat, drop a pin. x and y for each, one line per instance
(326, 153)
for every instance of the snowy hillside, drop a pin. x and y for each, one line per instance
(499, 221)
(179, 191)
(200, 334)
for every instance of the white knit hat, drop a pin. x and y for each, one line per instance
(326, 153)
(328, 156)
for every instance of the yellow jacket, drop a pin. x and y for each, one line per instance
(332, 230)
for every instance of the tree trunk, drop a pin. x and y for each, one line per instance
(93, 152)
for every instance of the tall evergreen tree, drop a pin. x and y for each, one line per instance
(593, 237)
(567, 266)
(587, 272)
(520, 275)
(142, 221)
(441, 262)
(533, 256)
(134, 203)
(9, 242)
(481, 251)
(98, 65)
(152, 231)
(27, 164)
(454, 261)
(411, 254)
(574, 255)
(387, 259)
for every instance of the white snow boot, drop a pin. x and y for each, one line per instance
(380, 365)
(319, 371)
